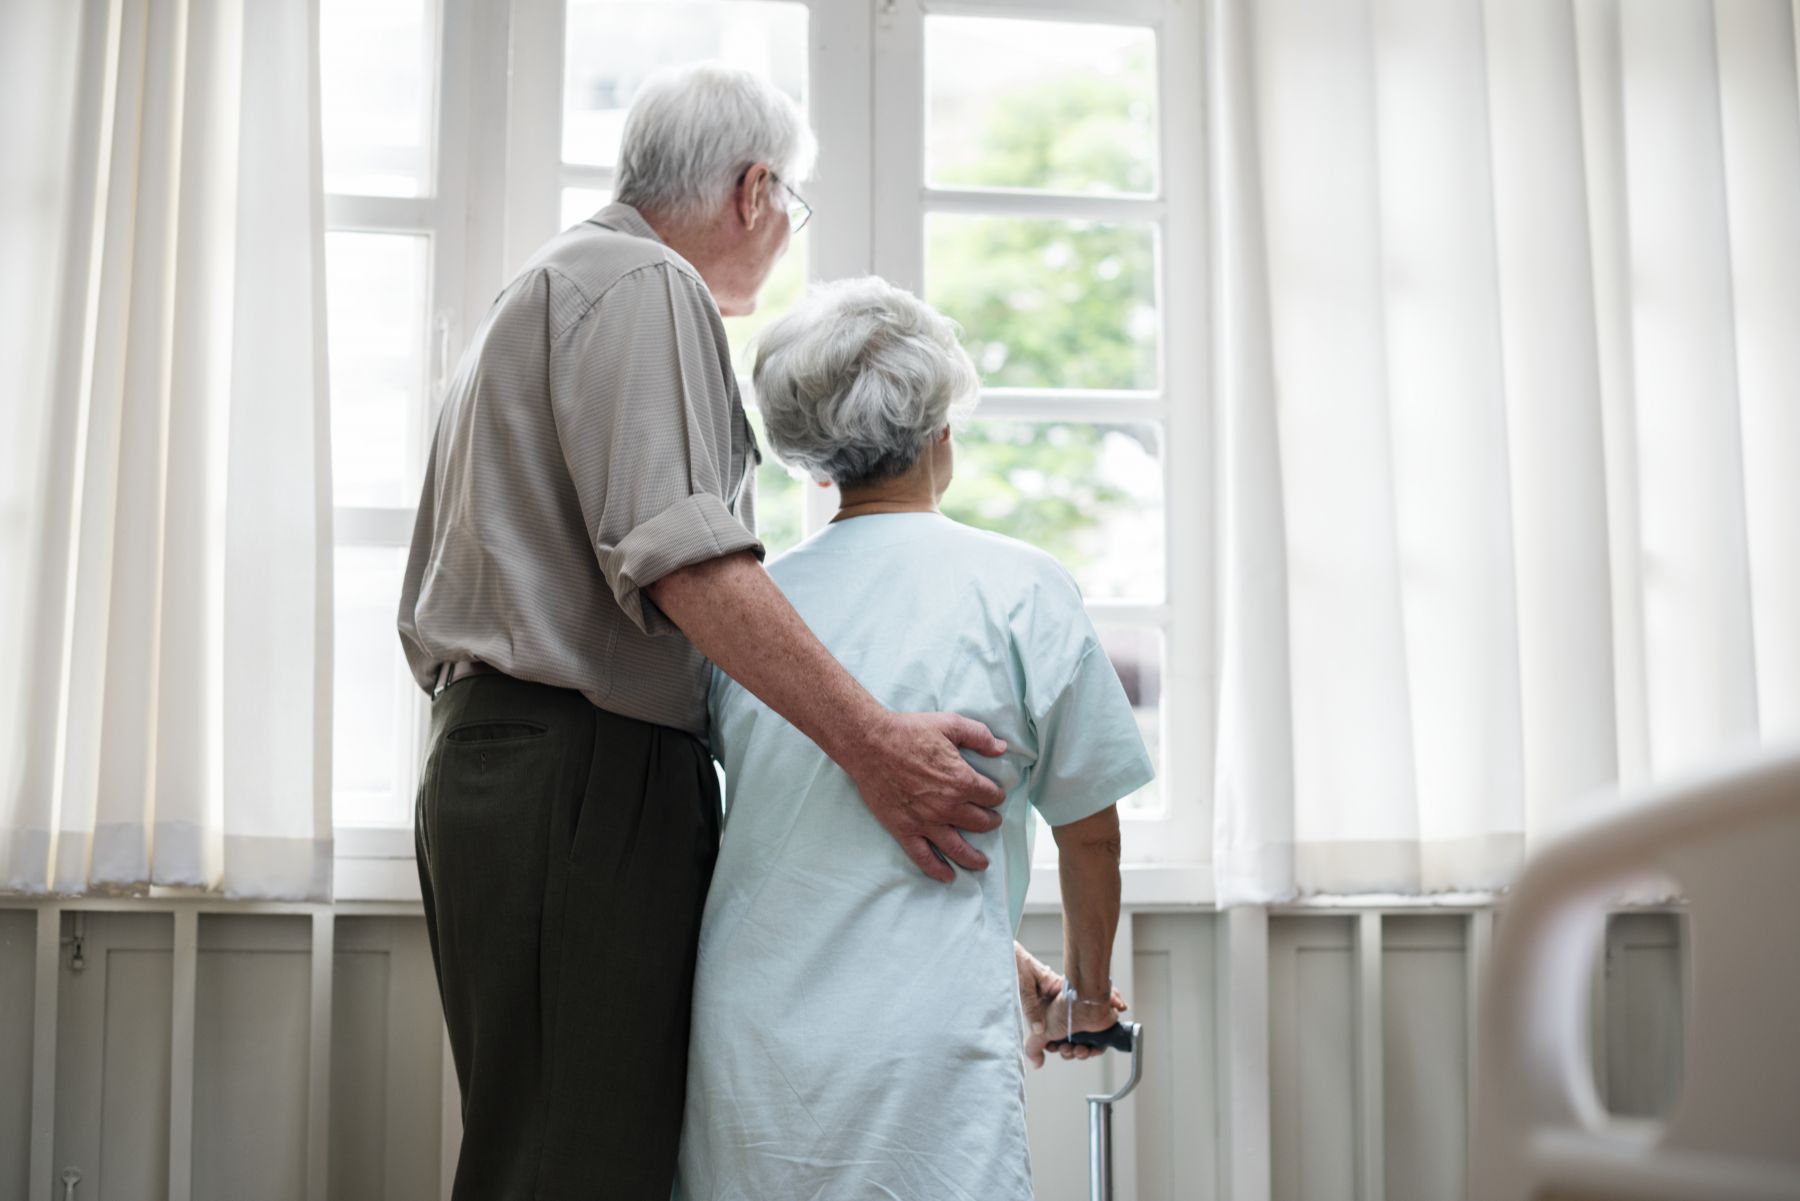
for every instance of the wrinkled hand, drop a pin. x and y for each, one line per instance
(924, 793)
(1040, 992)
(1087, 1018)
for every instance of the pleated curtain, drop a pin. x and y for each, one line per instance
(165, 507)
(1508, 300)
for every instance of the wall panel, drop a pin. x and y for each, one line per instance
(359, 1083)
(386, 1062)
(251, 1036)
(1642, 1014)
(1424, 1039)
(112, 1056)
(1312, 1060)
(1177, 1102)
(18, 980)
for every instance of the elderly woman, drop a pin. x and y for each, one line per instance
(856, 1028)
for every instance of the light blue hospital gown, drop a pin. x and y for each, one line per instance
(856, 1025)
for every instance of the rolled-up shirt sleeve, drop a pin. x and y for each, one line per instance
(643, 402)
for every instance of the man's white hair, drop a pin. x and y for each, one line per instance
(693, 130)
(857, 379)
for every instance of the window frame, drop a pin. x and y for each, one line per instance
(500, 174)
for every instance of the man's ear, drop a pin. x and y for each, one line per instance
(752, 193)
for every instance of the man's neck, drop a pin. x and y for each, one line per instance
(700, 245)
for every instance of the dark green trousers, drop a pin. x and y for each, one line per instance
(564, 855)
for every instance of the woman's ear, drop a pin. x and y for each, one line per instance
(943, 435)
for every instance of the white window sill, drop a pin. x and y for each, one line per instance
(377, 865)
(374, 863)
(1141, 886)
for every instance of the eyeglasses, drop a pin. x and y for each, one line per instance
(799, 212)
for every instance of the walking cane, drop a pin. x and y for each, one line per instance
(1125, 1036)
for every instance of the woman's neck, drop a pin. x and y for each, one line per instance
(914, 492)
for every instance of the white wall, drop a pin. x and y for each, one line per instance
(1368, 1019)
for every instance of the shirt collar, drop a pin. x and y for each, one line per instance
(625, 219)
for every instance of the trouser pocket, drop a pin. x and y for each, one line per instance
(496, 730)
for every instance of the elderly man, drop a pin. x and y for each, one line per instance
(584, 546)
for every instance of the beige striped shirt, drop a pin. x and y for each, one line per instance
(591, 443)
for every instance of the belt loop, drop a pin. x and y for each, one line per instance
(443, 677)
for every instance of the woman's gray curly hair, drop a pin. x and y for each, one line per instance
(855, 381)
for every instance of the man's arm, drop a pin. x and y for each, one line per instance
(667, 535)
(905, 764)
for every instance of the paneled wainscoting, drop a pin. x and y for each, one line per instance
(168, 1050)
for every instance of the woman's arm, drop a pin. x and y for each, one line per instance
(1088, 862)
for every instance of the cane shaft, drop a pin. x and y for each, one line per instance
(1100, 1182)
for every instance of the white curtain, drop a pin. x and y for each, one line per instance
(164, 481)
(1509, 297)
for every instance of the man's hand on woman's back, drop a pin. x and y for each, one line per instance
(906, 765)
(924, 793)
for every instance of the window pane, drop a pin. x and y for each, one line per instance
(1040, 104)
(1137, 653)
(578, 204)
(376, 317)
(373, 692)
(1091, 495)
(778, 492)
(613, 44)
(1048, 304)
(376, 60)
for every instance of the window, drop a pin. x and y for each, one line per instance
(392, 206)
(1010, 169)
(1021, 181)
